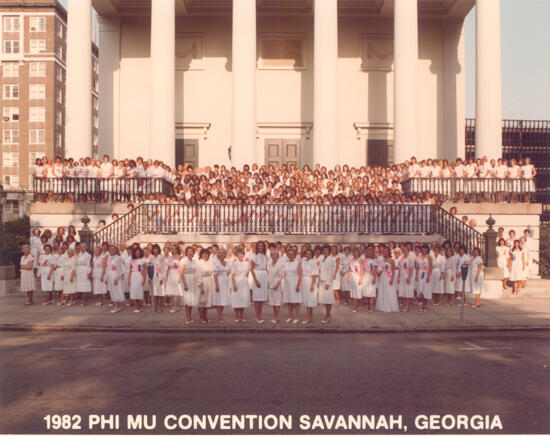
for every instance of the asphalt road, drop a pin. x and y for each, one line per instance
(505, 374)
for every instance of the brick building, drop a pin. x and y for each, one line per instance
(33, 50)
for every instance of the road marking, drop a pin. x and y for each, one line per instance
(87, 347)
(475, 347)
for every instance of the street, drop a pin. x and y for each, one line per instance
(505, 374)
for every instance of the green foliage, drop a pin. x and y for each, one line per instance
(16, 234)
(544, 256)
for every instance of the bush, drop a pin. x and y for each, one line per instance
(16, 234)
(544, 255)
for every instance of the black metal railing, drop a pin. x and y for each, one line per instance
(98, 190)
(475, 190)
(284, 219)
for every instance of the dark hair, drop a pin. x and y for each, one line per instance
(156, 247)
(189, 248)
(139, 252)
(326, 247)
(203, 251)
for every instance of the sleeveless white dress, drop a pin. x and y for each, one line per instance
(260, 270)
(387, 296)
(290, 282)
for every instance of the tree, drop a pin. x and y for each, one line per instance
(16, 234)
(544, 253)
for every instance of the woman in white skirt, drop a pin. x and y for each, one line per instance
(310, 274)
(275, 274)
(26, 267)
(99, 265)
(503, 261)
(36, 247)
(292, 291)
(115, 271)
(191, 293)
(450, 275)
(517, 269)
(387, 297)
(69, 277)
(356, 271)
(370, 274)
(83, 272)
(222, 292)
(137, 278)
(157, 282)
(476, 277)
(173, 277)
(437, 278)
(423, 274)
(240, 297)
(46, 271)
(205, 283)
(405, 279)
(258, 270)
(328, 271)
(345, 276)
(337, 283)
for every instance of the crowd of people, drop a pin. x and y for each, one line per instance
(268, 184)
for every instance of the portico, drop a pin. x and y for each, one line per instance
(344, 80)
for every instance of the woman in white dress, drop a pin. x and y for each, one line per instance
(356, 271)
(450, 275)
(337, 255)
(527, 258)
(137, 278)
(503, 261)
(328, 271)
(528, 173)
(69, 277)
(462, 259)
(157, 282)
(99, 265)
(205, 282)
(28, 281)
(173, 277)
(423, 274)
(476, 277)
(292, 281)
(405, 279)
(310, 274)
(345, 276)
(36, 247)
(240, 297)
(258, 270)
(437, 278)
(83, 272)
(222, 291)
(387, 296)
(191, 293)
(46, 271)
(275, 274)
(115, 271)
(58, 272)
(517, 268)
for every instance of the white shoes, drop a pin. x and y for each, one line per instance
(115, 310)
(325, 321)
(259, 321)
(295, 321)
(289, 320)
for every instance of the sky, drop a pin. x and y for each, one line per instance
(525, 46)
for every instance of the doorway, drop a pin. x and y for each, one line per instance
(187, 152)
(282, 151)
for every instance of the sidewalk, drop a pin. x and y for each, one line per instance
(521, 313)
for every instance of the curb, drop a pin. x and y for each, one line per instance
(44, 328)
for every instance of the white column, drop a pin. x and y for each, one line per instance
(162, 145)
(405, 93)
(488, 80)
(325, 83)
(109, 63)
(78, 109)
(243, 61)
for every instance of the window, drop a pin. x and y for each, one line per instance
(59, 118)
(95, 65)
(33, 155)
(38, 24)
(59, 50)
(10, 69)
(10, 114)
(96, 139)
(59, 29)
(11, 180)
(11, 24)
(11, 159)
(37, 114)
(11, 137)
(37, 136)
(59, 95)
(38, 46)
(95, 102)
(59, 73)
(96, 121)
(58, 140)
(37, 91)
(11, 46)
(96, 85)
(37, 69)
(11, 92)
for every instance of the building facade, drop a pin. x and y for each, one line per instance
(294, 81)
(33, 58)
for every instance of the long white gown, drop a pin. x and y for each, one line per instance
(98, 285)
(326, 280)
(260, 270)
(387, 296)
(310, 269)
(406, 267)
(240, 297)
(476, 286)
(275, 274)
(69, 266)
(503, 254)
(83, 268)
(369, 277)
(424, 287)
(205, 277)
(438, 266)
(114, 278)
(356, 288)
(223, 296)
(136, 278)
(173, 284)
(192, 295)
(290, 281)
(516, 273)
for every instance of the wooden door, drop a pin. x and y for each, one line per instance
(282, 151)
(377, 152)
(187, 152)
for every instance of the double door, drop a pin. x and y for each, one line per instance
(282, 151)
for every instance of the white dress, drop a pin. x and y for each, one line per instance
(69, 287)
(83, 268)
(114, 273)
(450, 274)
(424, 287)
(406, 267)
(290, 281)
(222, 297)
(58, 273)
(503, 254)
(36, 247)
(326, 280)
(158, 276)
(260, 270)
(516, 273)
(46, 262)
(356, 288)
(192, 295)
(438, 266)
(369, 277)
(345, 276)
(310, 269)
(337, 283)
(205, 276)
(136, 278)
(387, 296)
(28, 282)
(98, 285)
(173, 281)
(275, 274)
(475, 286)
(240, 296)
